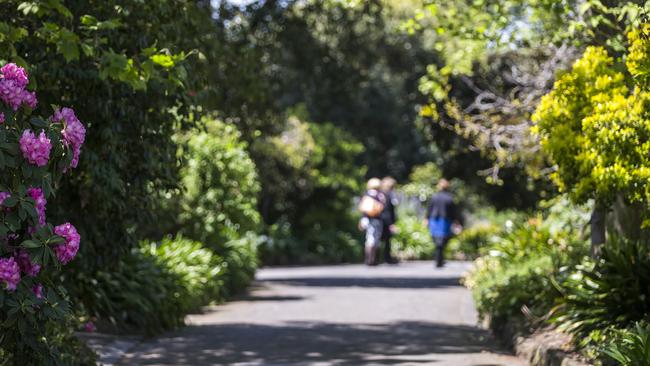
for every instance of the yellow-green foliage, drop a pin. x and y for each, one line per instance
(638, 62)
(472, 240)
(597, 130)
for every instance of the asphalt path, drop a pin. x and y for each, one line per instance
(405, 314)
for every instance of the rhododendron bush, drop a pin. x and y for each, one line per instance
(35, 154)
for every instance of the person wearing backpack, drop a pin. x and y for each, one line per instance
(442, 214)
(372, 204)
(389, 217)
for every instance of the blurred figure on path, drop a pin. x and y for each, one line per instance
(372, 205)
(442, 213)
(388, 217)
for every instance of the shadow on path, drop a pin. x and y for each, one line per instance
(268, 298)
(377, 282)
(311, 342)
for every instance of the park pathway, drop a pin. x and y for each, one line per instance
(408, 314)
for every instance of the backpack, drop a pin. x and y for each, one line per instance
(370, 207)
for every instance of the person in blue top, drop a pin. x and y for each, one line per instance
(442, 213)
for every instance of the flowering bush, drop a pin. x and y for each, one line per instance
(596, 128)
(34, 155)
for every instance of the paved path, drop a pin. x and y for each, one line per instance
(409, 314)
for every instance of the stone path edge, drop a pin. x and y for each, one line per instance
(545, 347)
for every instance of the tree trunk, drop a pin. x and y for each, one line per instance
(598, 229)
(627, 219)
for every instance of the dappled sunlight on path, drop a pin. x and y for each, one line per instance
(409, 314)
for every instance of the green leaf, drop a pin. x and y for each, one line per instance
(31, 244)
(10, 201)
(68, 44)
(12, 221)
(165, 61)
(56, 240)
(27, 170)
(29, 208)
(38, 122)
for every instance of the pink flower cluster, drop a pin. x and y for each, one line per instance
(9, 273)
(35, 150)
(26, 265)
(38, 291)
(39, 197)
(67, 251)
(4, 196)
(13, 81)
(74, 132)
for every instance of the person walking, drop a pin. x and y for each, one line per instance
(372, 205)
(388, 217)
(442, 213)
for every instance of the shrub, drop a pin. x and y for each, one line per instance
(199, 270)
(240, 261)
(309, 179)
(181, 275)
(35, 155)
(522, 268)
(612, 292)
(136, 294)
(221, 185)
(471, 241)
(595, 127)
(412, 241)
(315, 246)
(501, 290)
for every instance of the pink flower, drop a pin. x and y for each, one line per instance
(29, 98)
(4, 196)
(74, 132)
(9, 273)
(38, 291)
(41, 202)
(13, 81)
(17, 74)
(67, 251)
(26, 265)
(35, 150)
(11, 94)
(2, 118)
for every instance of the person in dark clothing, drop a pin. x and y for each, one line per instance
(388, 217)
(442, 213)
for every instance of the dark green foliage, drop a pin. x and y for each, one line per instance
(63, 344)
(631, 347)
(200, 271)
(220, 186)
(317, 246)
(134, 295)
(309, 178)
(240, 262)
(122, 66)
(155, 286)
(612, 292)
